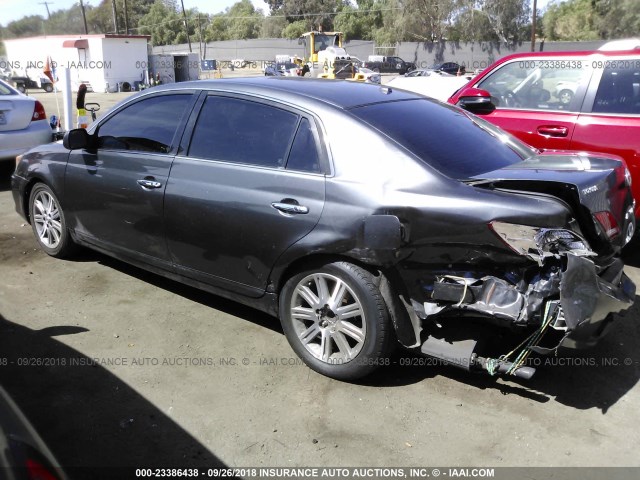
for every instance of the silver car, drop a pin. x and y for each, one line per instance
(23, 122)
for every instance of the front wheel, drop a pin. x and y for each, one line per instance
(336, 320)
(48, 222)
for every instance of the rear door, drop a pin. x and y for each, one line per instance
(115, 192)
(610, 121)
(251, 184)
(538, 100)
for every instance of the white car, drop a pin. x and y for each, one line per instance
(23, 122)
(436, 85)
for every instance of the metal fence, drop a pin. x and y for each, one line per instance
(474, 55)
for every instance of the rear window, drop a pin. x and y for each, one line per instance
(6, 89)
(445, 137)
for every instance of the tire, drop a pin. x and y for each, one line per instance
(48, 222)
(48, 87)
(345, 348)
(21, 88)
(565, 97)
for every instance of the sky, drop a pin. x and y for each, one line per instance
(14, 9)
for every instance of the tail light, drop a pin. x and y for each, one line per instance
(37, 471)
(38, 112)
(608, 224)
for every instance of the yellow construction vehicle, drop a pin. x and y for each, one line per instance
(325, 57)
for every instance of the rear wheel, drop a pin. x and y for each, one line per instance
(48, 87)
(565, 97)
(336, 320)
(48, 222)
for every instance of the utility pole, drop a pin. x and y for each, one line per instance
(186, 25)
(84, 18)
(46, 4)
(115, 16)
(126, 18)
(200, 44)
(533, 26)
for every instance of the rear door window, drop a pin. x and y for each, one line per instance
(242, 131)
(304, 155)
(619, 88)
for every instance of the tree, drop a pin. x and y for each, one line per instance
(471, 25)
(507, 18)
(315, 13)
(572, 20)
(295, 29)
(272, 26)
(427, 20)
(617, 18)
(163, 24)
(30, 26)
(244, 20)
(361, 20)
(238, 22)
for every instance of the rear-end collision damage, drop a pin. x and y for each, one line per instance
(566, 279)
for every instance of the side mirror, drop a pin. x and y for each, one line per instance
(76, 139)
(476, 100)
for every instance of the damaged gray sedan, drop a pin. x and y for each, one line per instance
(361, 216)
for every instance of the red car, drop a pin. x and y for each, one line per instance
(584, 101)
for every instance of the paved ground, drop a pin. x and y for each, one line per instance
(116, 366)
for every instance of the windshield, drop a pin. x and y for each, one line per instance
(322, 41)
(447, 138)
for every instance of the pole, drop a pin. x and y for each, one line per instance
(66, 99)
(186, 25)
(533, 26)
(200, 42)
(46, 4)
(126, 18)
(115, 16)
(84, 18)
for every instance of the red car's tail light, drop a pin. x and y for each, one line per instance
(38, 112)
(608, 223)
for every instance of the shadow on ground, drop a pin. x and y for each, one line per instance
(584, 379)
(91, 420)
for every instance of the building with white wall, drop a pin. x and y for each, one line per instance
(106, 62)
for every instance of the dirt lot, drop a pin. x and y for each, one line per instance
(116, 366)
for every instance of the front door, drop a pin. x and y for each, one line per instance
(115, 192)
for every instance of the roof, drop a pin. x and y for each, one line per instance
(340, 93)
(78, 37)
(579, 53)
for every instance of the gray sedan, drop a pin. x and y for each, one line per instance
(362, 216)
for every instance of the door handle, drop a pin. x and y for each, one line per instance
(290, 208)
(553, 131)
(147, 183)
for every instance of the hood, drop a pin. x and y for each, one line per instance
(597, 188)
